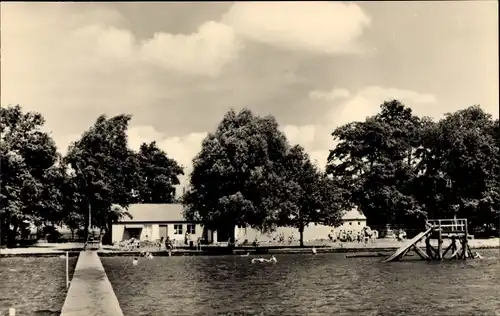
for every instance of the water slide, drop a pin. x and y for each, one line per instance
(408, 244)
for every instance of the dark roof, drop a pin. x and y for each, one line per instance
(154, 213)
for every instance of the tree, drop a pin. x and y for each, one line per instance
(313, 198)
(237, 174)
(27, 163)
(157, 173)
(460, 167)
(376, 161)
(104, 171)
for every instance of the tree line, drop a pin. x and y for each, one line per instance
(396, 167)
(403, 169)
(91, 186)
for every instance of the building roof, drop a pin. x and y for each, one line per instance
(173, 213)
(154, 213)
(353, 214)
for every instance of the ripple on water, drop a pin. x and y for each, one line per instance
(33, 285)
(325, 284)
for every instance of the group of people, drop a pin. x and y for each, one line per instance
(170, 244)
(364, 235)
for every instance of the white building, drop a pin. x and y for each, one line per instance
(353, 221)
(154, 221)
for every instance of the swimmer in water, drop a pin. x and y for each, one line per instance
(314, 250)
(245, 255)
(477, 255)
(135, 261)
(150, 255)
(254, 260)
(262, 260)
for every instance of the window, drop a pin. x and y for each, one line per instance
(191, 228)
(350, 223)
(178, 229)
(359, 223)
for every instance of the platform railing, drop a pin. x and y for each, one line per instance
(449, 225)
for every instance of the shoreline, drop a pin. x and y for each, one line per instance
(377, 248)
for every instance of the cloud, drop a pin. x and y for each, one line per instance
(366, 102)
(319, 27)
(335, 93)
(181, 148)
(73, 46)
(299, 134)
(73, 62)
(379, 93)
(205, 52)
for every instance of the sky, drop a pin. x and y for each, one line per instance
(177, 67)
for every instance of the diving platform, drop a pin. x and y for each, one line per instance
(455, 229)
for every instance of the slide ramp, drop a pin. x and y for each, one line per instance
(408, 244)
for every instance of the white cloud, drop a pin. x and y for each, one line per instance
(181, 148)
(205, 52)
(299, 134)
(73, 46)
(335, 93)
(366, 102)
(320, 27)
(412, 97)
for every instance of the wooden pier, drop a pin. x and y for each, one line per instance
(439, 229)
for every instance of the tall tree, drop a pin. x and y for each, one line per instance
(238, 173)
(376, 161)
(460, 168)
(104, 171)
(27, 165)
(157, 173)
(312, 197)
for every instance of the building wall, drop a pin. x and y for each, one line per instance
(118, 233)
(311, 232)
(354, 225)
(152, 232)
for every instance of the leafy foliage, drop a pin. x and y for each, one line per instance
(312, 198)
(247, 174)
(401, 169)
(460, 165)
(237, 174)
(376, 162)
(104, 169)
(29, 174)
(157, 175)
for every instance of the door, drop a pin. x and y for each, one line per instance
(208, 235)
(163, 231)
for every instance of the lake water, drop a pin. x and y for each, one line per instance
(33, 285)
(325, 284)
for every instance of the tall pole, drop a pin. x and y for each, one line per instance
(89, 227)
(67, 269)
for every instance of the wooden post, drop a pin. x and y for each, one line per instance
(454, 247)
(440, 242)
(450, 246)
(466, 241)
(428, 248)
(67, 270)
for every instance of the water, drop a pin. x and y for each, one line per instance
(325, 284)
(33, 285)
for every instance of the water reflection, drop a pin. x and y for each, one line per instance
(324, 284)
